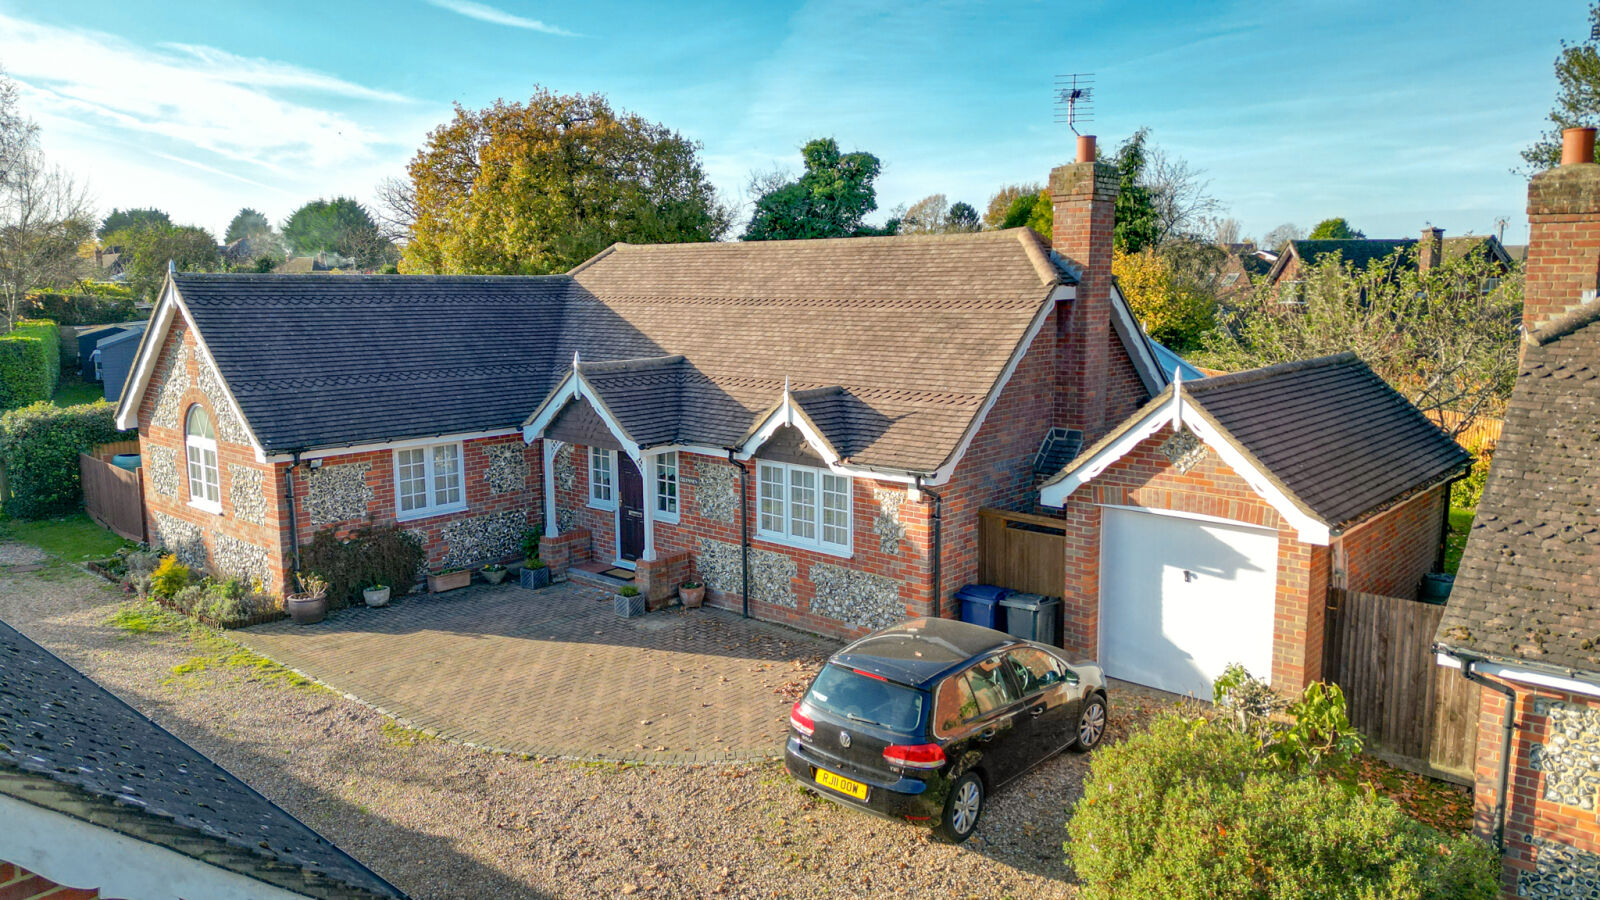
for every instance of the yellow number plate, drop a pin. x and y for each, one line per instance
(842, 784)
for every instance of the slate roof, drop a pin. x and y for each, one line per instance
(67, 744)
(1358, 252)
(905, 337)
(1329, 432)
(1528, 591)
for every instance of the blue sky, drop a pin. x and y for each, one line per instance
(1391, 114)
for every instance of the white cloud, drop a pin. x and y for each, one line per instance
(483, 12)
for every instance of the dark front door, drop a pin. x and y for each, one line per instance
(630, 510)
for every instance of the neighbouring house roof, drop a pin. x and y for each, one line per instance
(1526, 591)
(1363, 252)
(68, 745)
(892, 345)
(1170, 360)
(1335, 439)
(1458, 247)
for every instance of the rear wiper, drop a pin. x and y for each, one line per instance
(855, 718)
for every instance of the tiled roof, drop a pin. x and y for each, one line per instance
(1329, 432)
(1358, 252)
(68, 744)
(1527, 591)
(911, 332)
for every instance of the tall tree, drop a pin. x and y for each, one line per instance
(325, 225)
(539, 187)
(247, 223)
(963, 216)
(17, 132)
(831, 198)
(1174, 307)
(120, 219)
(1283, 234)
(147, 249)
(932, 215)
(1577, 98)
(999, 208)
(1138, 223)
(1335, 229)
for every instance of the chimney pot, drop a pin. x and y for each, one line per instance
(1086, 152)
(1577, 146)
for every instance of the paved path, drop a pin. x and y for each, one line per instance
(557, 673)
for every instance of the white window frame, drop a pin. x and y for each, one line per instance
(786, 473)
(433, 506)
(195, 451)
(665, 472)
(608, 502)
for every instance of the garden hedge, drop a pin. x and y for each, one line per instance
(85, 309)
(40, 445)
(30, 363)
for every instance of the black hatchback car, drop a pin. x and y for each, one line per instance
(922, 720)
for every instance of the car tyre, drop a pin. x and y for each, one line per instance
(1091, 725)
(962, 809)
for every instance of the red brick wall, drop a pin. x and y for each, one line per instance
(17, 883)
(1529, 814)
(1125, 390)
(1084, 197)
(1390, 553)
(1563, 241)
(1145, 478)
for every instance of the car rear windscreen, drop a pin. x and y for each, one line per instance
(851, 695)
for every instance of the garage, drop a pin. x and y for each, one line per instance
(1182, 596)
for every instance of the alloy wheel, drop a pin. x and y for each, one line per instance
(1092, 724)
(964, 812)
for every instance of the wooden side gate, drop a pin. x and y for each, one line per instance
(1022, 552)
(113, 496)
(1421, 714)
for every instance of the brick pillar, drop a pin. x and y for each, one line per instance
(1563, 239)
(1083, 196)
(1430, 250)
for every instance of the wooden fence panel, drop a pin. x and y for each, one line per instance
(1379, 651)
(113, 496)
(1022, 552)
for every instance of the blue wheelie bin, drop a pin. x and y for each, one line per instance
(980, 605)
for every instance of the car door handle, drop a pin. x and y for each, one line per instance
(1037, 711)
(987, 735)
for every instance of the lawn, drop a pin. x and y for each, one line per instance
(73, 390)
(74, 538)
(1455, 540)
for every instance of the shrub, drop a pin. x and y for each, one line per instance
(1468, 491)
(1316, 736)
(30, 363)
(86, 309)
(530, 543)
(628, 590)
(169, 578)
(1191, 810)
(40, 445)
(378, 555)
(141, 565)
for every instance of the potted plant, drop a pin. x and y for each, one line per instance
(530, 545)
(310, 605)
(535, 574)
(494, 573)
(628, 602)
(691, 594)
(377, 595)
(449, 579)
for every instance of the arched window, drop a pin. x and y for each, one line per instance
(200, 448)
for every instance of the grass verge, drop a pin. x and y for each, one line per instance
(217, 654)
(74, 538)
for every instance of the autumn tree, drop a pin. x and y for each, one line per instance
(999, 208)
(935, 215)
(831, 198)
(1577, 97)
(1446, 337)
(538, 187)
(1283, 234)
(1336, 229)
(148, 248)
(1173, 305)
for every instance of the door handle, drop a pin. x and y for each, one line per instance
(1037, 711)
(987, 735)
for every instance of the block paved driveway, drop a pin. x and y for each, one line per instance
(556, 672)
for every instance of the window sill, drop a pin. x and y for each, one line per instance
(665, 518)
(429, 512)
(603, 507)
(212, 508)
(780, 541)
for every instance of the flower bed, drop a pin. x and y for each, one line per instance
(220, 603)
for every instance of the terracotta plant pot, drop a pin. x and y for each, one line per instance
(307, 609)
(449, 581)
(692, 597)
(376, 597)
(494, 576)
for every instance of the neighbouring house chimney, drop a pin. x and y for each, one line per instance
(1083, 197)
(1563, 232)
(1430, 250)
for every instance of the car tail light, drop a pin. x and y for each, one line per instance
(915, 756)
(799, 722)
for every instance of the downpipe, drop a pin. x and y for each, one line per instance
(744, 535)
(294, 524)
(936, 523)
(1508, 725)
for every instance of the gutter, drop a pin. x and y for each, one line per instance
(744, 534)
(1508, 725)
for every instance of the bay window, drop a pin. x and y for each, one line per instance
(427, 481)
(803, 506)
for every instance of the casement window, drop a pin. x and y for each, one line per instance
(200, 449)
(804, 507)
(667, 485)
(602, 478)
(428, 481)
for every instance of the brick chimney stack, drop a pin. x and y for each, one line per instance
(1083, 196)
(1430, 250)
(1564, 232)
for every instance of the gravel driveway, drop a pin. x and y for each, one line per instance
(442, 820)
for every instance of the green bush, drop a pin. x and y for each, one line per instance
(378, 555)
(40, 445)
(30, 363)
(1468, 491)
(170, 579)
(85, 309)
(1191, 809)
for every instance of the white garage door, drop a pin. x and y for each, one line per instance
(1181, 598)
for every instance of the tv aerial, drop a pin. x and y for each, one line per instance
(1075, 100)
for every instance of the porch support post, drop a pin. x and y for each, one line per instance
(550, 527)
(647, 475)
